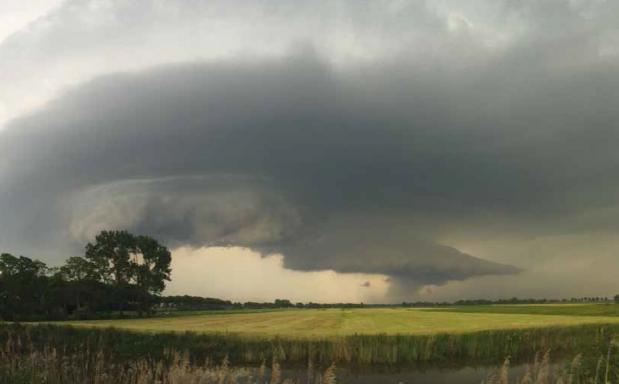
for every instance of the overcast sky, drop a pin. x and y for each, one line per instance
(320, 150)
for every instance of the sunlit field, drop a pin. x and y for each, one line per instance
(368, 337)
(540, 309)
(389, 321)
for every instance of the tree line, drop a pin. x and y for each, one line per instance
(196, 303)
(122, 272)
(118, 272)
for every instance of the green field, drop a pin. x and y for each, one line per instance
(540, 309)
(320, 323)
(364, 337)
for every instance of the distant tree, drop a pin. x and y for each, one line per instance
(283, 303)
(186, 302)
(616, 298)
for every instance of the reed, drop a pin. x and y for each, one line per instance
(543, 372)
(22, 363)
(582, 369)
(54, 355)
(486, 347)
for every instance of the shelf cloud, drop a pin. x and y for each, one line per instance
(384, 150)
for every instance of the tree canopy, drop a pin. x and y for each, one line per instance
(118, 271)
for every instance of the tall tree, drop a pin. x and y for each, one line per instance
(79, 274)
(23, 287)
(151, 265)
(111, 256)
(138, 266)
(78, 269)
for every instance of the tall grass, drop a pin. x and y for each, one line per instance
(588, 370)
(54, 355)
(21, 362)
(488, 347)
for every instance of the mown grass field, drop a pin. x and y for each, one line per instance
(540, 309)
(363, 337)
(320, 323)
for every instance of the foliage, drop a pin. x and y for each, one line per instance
(137, 266)
(24, 287)
(120, 271)
(192, 303)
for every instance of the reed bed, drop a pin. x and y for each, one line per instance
(21, 362)
(53, 355)
(580, 370)
(488, 347)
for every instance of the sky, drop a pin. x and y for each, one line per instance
(380, 151)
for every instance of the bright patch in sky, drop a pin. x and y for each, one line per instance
(239, 274)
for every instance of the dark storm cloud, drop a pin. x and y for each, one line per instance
(360, 168)
(281, 156)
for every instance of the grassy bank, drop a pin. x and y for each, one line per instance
(24, 362)
(485, 347)
(62, 355)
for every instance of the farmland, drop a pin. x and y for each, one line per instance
(540, 309)
(317, 323)
(369, 338)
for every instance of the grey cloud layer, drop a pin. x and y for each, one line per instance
(359, 168)
(290, 157)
